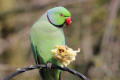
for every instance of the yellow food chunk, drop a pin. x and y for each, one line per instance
(64, 54)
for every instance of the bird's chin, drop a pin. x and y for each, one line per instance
(60, 26)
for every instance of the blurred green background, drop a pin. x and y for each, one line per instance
(95, 29)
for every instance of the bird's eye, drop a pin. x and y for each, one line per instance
(61, 14)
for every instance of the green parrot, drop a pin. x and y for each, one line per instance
(45, 34)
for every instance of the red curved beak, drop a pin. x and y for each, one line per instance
(68, 21)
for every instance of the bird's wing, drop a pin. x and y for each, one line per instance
(37, 58)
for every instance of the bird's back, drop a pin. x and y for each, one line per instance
(44, 37)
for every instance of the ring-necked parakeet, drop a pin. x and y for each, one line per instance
(45, 34)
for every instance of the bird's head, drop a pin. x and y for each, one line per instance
(59, 16)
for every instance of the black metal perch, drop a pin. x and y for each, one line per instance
(46, 66)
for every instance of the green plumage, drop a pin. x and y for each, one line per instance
(44, 37)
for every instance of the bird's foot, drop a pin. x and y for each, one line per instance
(49, 65)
